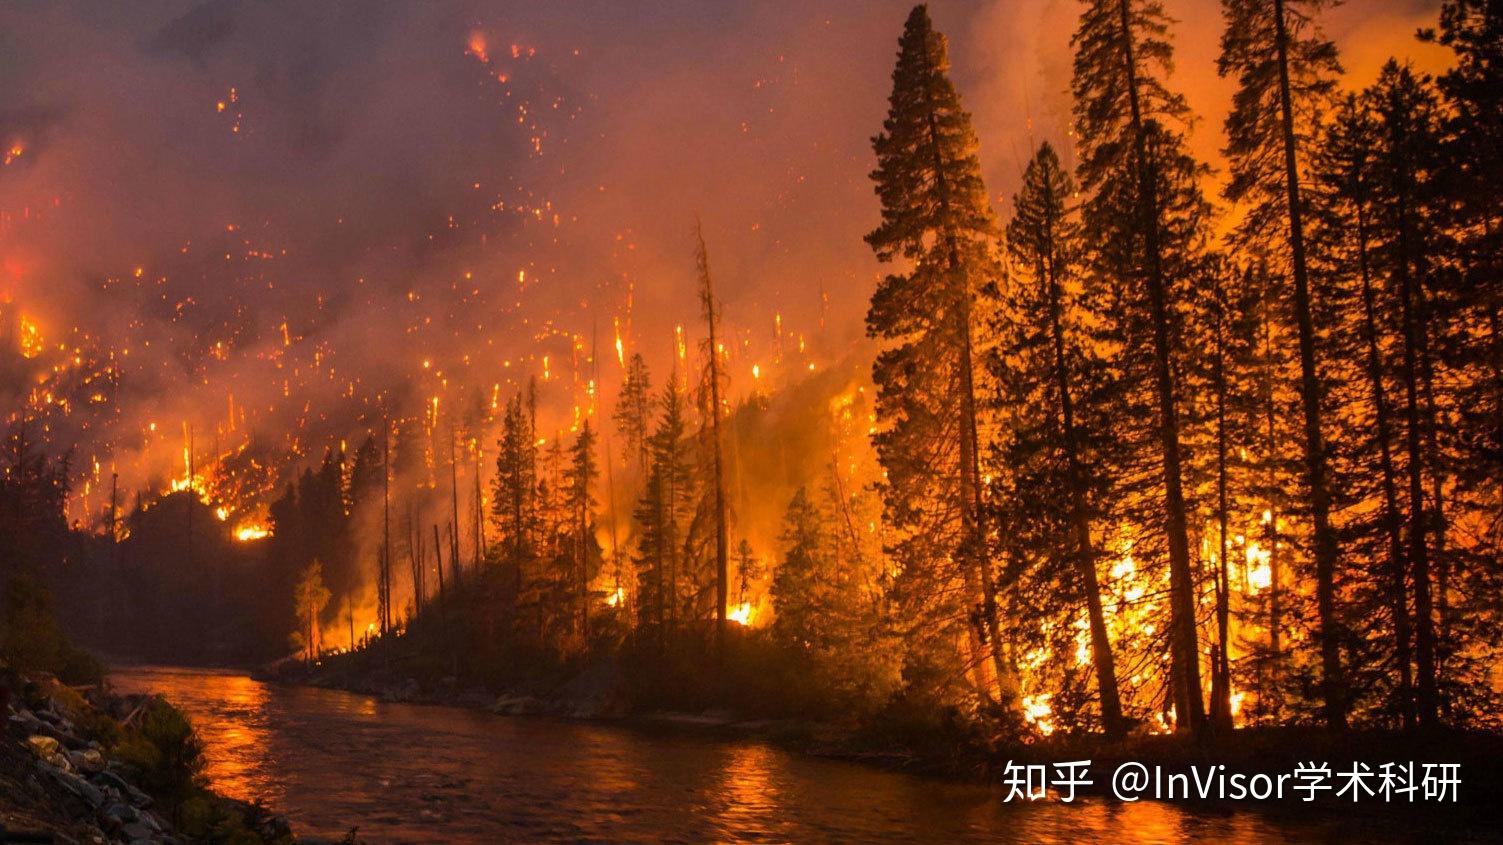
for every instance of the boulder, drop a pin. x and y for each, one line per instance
(43, 746)
(88, 761)
(136, 797)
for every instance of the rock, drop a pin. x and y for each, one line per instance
(88, 761)
(135, 796)
(118, 814)
(91, 794)
(43, 747)
(408, 690)
(136, 830)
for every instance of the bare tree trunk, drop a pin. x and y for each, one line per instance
(454, 501)
(722, 573)
(1221, 683)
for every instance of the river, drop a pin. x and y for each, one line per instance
(333, 760)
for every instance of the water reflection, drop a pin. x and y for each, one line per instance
(745, 798)
(404, 773)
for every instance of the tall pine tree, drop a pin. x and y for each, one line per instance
(936, 218)
(1145, 221)
(1285, 71)
(1046, 371)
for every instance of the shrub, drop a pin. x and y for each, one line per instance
(168, 754)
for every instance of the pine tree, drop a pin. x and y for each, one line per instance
(1044, 366)
(937, 219)
(1469, 297)
(1285, 71)
(1145, 221)
(1225, 409)
(748, 569)
(1344, 227)
(1405, 161)
(583, 474)
(511, 497)
(824, 618)
(633, 413)
(662, 513)
(1473, 168)
(309, 602)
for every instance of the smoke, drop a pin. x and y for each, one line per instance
(323, 215)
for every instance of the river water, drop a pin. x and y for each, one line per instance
(333, 760)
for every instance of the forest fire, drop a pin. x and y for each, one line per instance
(249, 533)
(1035, 416)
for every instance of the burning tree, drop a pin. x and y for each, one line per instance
(1145, 222)
(936, 219)
(309, 601)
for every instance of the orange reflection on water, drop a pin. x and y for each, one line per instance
(235, 753)
(748, 797)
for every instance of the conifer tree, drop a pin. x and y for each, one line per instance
(1405, 162)
(633, 415)
(1145, 222)
(663, 512)
(583, 474)
(1473, 168)
(936, 218)
(1044, 368)
(1344, 227)
(511, 497)
(1285, 71)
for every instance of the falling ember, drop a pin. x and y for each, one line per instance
(477, 47)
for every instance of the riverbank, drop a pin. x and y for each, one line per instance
(85, 765)
(596, 693)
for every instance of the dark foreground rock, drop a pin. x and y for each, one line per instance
(60, 783)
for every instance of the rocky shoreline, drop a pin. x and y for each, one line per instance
(62, 780)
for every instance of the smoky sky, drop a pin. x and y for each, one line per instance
(481, 184)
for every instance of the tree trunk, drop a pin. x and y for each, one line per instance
(1085, 552)
(1221, 684)
(1398, 580)
(1185, 653)
(1419, 560)
(722, 573)
(972, 513)
(1326, 552)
